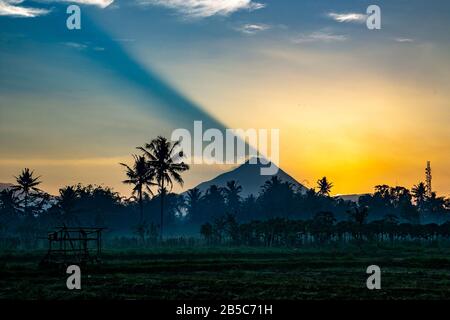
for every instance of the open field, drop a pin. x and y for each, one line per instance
(410, 272)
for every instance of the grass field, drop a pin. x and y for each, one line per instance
(236, 273)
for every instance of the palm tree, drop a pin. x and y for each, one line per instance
(167, 166)
(390, 225)
(66, 203)
(276, 198)
(213, 203)
(273, 183)
(436, 206)
(324, 186)
(232, 196)
(322, 226)
(26, 183)
(249, 206)
(419, 193)
(359, 217)
(206, 230)
(193, 198)
(141, 175)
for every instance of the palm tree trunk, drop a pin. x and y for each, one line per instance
(141, 207)
(162, 211)
(25, 210)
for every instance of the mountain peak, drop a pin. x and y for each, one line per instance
(249, 176)
(260, 161)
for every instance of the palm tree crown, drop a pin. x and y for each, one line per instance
(193, 199)
(67, 200)
(167, 166)
(324, 186)
(232, 195)
(165, 162)
(419, 192)
(141, 175)
(26, 182)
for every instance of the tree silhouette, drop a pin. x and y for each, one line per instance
(68, 197)
(8, 201)
(141, 175)
(98, 205)
(419, 193)
(359, 216)
(8, 208)
(436, 206)
(322, 226)
(219, 228)
(167, 166)
(390, 224)
(401, 200)
(232, 228)
(26, 183)
(324, 186)
(193, 202)
(276, 198)
(206, 231)
(232, 195)
(213, 203)
(249, 208)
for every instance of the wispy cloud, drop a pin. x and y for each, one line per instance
(205, 8)
(404, 40)
(75, 45)
(82, 46)
(319, 36)
(14, 9)
(98, 3)
(348, 17)
(252, 28)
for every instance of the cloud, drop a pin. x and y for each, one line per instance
(348, 17)
(12, 8)
(75, 45)
(404, 40)
(320, 36)
(98, 3)
(82, 46)
(205, 8)
(252, 28)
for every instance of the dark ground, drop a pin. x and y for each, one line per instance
(408, 272)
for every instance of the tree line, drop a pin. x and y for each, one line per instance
(322, 229)
(221, 213)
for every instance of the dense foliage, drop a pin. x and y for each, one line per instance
(279, 215)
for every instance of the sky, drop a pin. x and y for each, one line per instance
(362, 107)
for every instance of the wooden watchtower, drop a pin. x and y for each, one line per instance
(73, 245)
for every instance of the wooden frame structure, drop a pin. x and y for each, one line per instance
(73, 245)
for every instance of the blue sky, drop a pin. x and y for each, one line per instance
(75, 103)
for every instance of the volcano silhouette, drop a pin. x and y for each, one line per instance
(249, 176)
